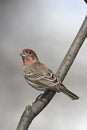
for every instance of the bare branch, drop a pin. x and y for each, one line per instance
(72, 52)
(32, 111)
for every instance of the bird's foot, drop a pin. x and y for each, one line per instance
(39, 97)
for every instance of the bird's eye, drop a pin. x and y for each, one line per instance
(30, 52)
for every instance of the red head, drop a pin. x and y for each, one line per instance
(28, 56)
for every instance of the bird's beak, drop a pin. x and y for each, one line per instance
(22, 54)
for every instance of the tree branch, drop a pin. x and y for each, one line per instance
(39, 104)
(72, 52)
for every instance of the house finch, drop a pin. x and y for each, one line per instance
(39, 76)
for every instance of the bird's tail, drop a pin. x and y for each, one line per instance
(67, 92)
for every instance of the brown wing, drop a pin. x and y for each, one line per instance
(40, 73)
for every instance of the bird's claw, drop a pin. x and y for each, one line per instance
(39, 97)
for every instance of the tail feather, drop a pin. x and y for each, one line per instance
(67, 92)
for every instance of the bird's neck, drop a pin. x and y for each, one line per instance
(28, 62)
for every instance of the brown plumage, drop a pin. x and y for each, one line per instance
(39, 76)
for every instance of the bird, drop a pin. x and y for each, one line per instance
(41, 77)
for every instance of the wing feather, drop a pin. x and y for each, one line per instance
(40, 73)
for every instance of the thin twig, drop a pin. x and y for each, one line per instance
(85, 1)
(38, 105)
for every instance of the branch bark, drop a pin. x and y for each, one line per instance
(39, 104)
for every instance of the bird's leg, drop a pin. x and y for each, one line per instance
(38, 97)
(57, 86)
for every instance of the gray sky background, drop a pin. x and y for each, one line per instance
(48, 27)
